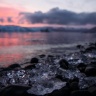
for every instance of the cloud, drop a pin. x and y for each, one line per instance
(9, 19)
(59, 16)
(1, 20)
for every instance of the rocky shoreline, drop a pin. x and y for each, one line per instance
(71, 74)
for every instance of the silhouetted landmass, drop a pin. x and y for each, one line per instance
(92, 30)
(11, 28)
(45, 30)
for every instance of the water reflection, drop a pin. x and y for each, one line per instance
(35, 38)
(14, 39)
(7, 59)
(14, 46)
(69, 37)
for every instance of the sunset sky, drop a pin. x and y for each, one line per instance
(48, 12)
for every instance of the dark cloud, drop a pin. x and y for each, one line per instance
(1, 20)
(58, 16)
(9, 19)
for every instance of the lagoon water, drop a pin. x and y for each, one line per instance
(18, 47)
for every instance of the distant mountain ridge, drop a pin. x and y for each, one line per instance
(12, 28)
(9, 28)
(92, 29)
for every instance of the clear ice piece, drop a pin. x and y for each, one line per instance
(48, 87)
(21, 73)
(12, 81)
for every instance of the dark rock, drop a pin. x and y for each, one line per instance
(1, 86)
(15, 91)
(89, 49)
(42, 55)
(1, 69)
(74, 86)
(61, 78)
(81, 93)
(90, 71)
(3, 72)
(80, 46)
(63, 64)
(6, 69)
(11, 67)
(81, 67)
(34, 60)
(14, 66)
(93, 64)
(92, 44)
(73, 80)
(30, 67)
(51, 56)
(92, 90)
(62, 92)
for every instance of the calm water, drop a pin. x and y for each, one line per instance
(17, 47)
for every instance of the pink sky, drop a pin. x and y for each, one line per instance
(14, 13)
(12, 8)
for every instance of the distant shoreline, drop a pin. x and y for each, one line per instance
(11, 28)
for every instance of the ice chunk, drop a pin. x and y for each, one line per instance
(21, 73)
(71, 74)
(12, 81)
(46, 87)
(10, 74)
